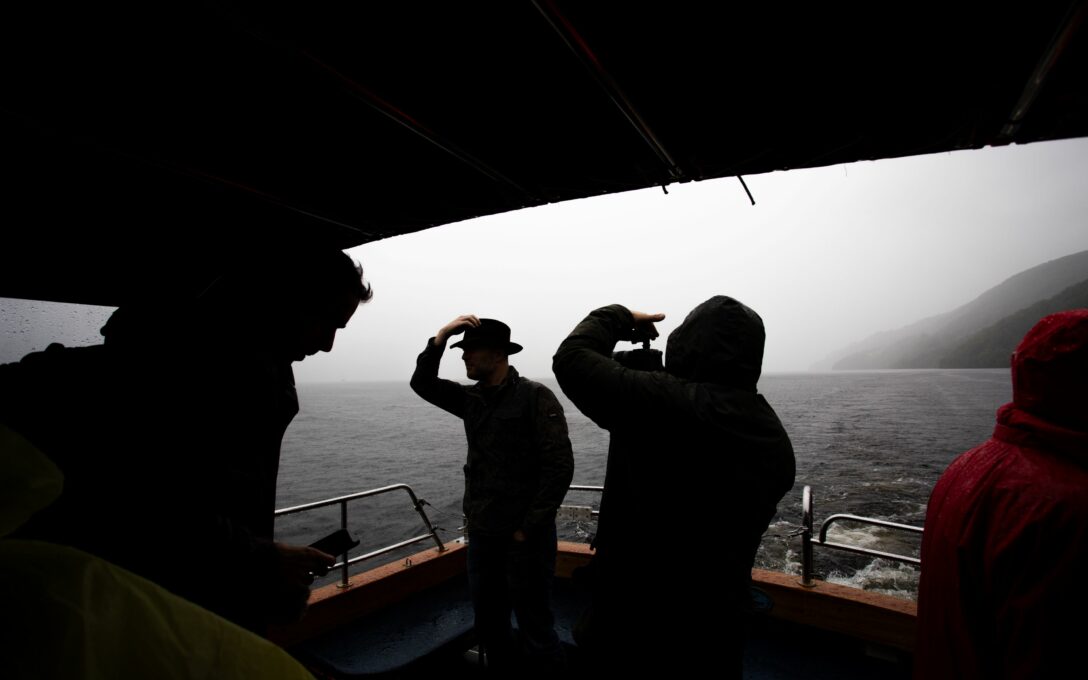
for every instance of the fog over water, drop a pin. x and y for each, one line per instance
(827, 256)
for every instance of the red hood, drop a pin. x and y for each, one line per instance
(1050, 370)
(1026, 430)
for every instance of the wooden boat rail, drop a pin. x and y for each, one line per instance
(873, 618)
(806, 532)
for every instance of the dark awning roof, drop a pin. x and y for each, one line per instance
(147, 142)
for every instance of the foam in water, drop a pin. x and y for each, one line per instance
(882, 576)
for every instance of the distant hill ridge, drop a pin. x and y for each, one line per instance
(981, 333)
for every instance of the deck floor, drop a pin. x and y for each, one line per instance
(432, 631)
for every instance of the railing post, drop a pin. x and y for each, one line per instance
(806, 537)
(344, 558)
(426, 521)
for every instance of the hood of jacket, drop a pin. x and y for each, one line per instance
(1050, 370)
(721, 342)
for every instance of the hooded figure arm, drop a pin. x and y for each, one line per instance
(602, 388)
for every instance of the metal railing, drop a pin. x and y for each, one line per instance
(807, 541)
(343, 502)
(580, 512)
(583, 487)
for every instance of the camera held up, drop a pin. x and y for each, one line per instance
(643, 358)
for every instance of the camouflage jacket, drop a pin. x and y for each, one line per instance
(520, 461)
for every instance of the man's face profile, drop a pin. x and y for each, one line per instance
(316, 330)
(481, 361)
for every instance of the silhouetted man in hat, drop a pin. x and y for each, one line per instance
(519, 466)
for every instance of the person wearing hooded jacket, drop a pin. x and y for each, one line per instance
(1006, 533)
(697, 463)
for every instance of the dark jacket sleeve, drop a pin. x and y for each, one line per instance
(445, 394)
(556, 460)
(602, 388)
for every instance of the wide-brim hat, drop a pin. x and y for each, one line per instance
(490, 333)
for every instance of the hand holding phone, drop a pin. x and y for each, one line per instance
(336, 543)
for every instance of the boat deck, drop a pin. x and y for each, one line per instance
(430, 628)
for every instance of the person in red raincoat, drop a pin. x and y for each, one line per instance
(1005, 549)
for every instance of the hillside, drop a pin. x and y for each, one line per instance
(991, 347)
(946, 340)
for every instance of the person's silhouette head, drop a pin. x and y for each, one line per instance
(316, 297)
(288, 304)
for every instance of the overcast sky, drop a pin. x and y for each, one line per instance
(826, 256)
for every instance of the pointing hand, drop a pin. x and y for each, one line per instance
(644, 325)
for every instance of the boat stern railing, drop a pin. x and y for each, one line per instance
(342, 501)
(809, 536)
(580, 513)
(807, 540)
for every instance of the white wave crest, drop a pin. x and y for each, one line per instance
(882, 576)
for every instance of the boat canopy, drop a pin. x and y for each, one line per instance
(147, 143)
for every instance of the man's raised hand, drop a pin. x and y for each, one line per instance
(455, 327)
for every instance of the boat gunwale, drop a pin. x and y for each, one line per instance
(864, 615)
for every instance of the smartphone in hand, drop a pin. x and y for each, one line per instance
(335, 544)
